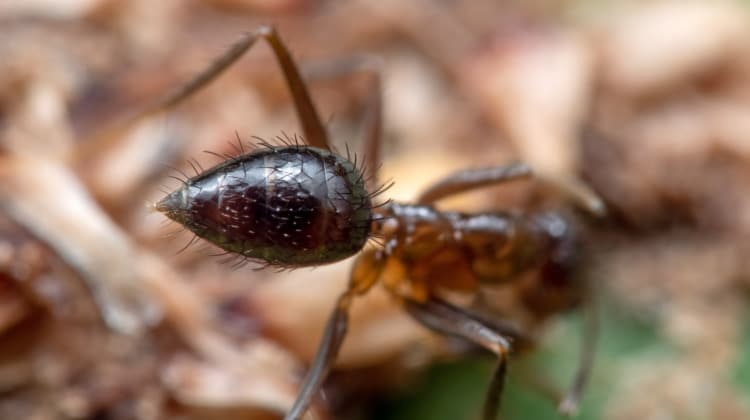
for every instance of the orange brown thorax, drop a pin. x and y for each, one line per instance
(460, 252)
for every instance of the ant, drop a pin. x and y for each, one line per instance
(301, 204)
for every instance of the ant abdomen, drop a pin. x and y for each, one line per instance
(289, 206)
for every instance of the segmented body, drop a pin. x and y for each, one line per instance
(290, 206)
(299, 206)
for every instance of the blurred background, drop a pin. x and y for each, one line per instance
(104, 316)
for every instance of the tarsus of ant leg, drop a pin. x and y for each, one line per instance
(315, 133)
(495, 390)
(205, 77)
(445, 318)
(581, 194)
(471, 179)
(569, 404)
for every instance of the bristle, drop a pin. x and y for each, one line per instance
(195, 168)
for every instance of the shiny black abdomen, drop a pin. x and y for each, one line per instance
(290, 206)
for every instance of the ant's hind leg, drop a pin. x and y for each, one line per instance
(373, 126)
(315, 134)
(445, 318)
(470, 179)
(313, 129)
(372, 66)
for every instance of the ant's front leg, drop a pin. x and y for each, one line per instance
(365, 273)
(471, 179)
(315, 134)
(445, 318)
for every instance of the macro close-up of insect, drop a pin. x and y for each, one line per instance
(300, 204)
(374, 210)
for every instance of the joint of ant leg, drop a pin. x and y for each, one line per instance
(500, 346)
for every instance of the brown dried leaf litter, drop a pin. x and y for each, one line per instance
(647, 103)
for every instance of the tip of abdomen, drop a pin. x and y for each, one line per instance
(170, 203)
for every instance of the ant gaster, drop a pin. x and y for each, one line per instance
(299, 204)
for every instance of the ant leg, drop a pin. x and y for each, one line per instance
(569, 404)
(313, 129)
(365, 272)
(373, 130)
(373, 123)
(569, 400)
(470, 179)
(581, 194)
(333, 337)
(445, 318)
(315, 133)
